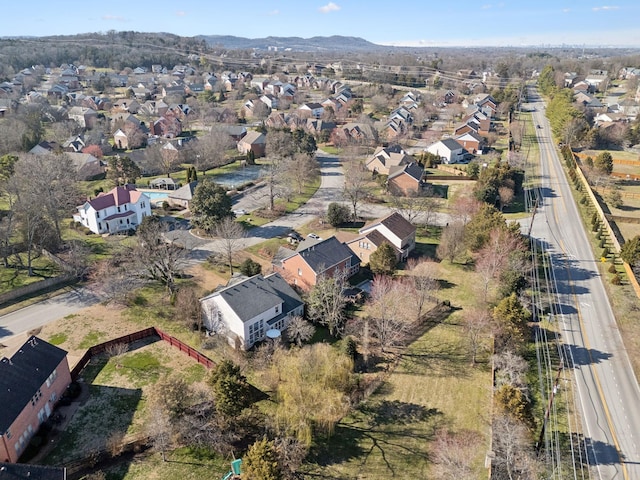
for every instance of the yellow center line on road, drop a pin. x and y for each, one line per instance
(587, 344)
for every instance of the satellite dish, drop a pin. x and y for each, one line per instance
(273, 333)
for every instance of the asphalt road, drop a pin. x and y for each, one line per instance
(41, 313)
(608, 391)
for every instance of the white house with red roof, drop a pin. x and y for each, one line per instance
(120, 209)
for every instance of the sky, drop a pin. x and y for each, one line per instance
(406, 22)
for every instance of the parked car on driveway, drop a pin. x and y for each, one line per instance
(239, 213)
(296, 236)
(313, 236)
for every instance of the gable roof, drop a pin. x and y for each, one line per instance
(185, 192)
(254, 137)
(23, 374)
(395, 222)
(257, 294)
(413, 169)
(451, 144)
(117, 196)
(324, 254)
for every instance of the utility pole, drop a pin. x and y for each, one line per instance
(548, 411)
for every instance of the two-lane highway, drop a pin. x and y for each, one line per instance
(609, 397)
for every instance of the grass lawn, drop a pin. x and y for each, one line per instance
(12, 278)
(433, 386)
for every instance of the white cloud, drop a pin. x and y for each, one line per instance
(605, 7)
(115, 18)
(329, 7)
(486, 7)
(181, 13)
(273, 12)
(566, 10)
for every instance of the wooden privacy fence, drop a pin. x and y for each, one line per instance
(134, 337)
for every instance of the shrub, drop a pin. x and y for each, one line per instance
(605, 252)
(603, 242)
(595, 220)
(613, 269)
(616, 279)
(250, 267)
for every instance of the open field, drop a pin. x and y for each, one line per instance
(389, 435)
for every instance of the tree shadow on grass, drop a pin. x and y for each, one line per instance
(392, 433)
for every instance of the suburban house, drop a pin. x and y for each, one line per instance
(325, 258)
(386, 157)
(471, 142)
(406, 179)
(31, 383)
(120, 209)
(244, 311)
(396, 230)
(448, 149)
(312, 109)
(182, 196)
(83, 116)
(253, 141)
(87, 166)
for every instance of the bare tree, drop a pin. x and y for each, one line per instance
(423, 284)
(230, 234)
(477, 324)
(356, 185)
(188, 308)
(116, 350)
(159, 430)
(300, 170)
(510, 369)
(451, 244)
(299, 330)
(451, 454)
(388, 311)
(513, 456)
(506, 196)
(154, 258)
(416, 208)
(209, 150)
(493, 258)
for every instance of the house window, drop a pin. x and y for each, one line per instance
(118, 208)
(256, 331)
(277, 308)
(8, 434)
(99, 226)
(300, 272)
(52, 377)
(97, 214)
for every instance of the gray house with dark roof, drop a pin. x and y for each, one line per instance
(244, 311)
(32, 381)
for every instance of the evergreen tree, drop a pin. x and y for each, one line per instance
(261, 462)
(383, 260)
(230, 389)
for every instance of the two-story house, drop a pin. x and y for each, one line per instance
(386, 157)
(31, 383)
(120, 209)
(448, 149)
(325, 258)
(246, 310)
(393, 229)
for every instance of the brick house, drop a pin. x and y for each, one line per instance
(324, 258)
(398, 231)
(245, 310)
(253, 141)
(120, 209)
(31, 383)
(17, 471)
(406, 179)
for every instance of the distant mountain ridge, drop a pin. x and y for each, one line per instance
(332, 43)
